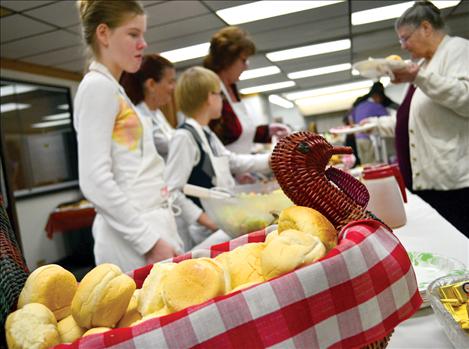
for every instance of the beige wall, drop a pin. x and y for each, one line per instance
(33, 212)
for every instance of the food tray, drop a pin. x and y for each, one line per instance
(457, 336)
(429, 266)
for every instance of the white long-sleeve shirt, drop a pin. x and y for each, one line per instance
(184, 154)
(439, 119)
(119, 172)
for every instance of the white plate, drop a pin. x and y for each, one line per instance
(352, 129)
(429, 266)
(377, 67)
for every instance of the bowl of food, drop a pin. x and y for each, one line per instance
(449, 299)
(251, 207)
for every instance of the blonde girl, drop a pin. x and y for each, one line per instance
(120, 171)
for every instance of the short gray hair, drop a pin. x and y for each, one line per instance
(419, 12)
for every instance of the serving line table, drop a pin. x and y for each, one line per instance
(427, 231)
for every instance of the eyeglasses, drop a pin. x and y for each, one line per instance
(403, 39)
(219, 93)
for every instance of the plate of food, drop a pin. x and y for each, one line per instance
(348, 129)
(429, 266)
(377, 67)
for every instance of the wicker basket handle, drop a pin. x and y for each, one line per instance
(349, 185)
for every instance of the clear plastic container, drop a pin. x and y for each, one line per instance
(457, 336)
(254, 207)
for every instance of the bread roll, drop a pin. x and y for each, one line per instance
(69, 329)
(32, 327)
(271, 236)
(131, 314)
(150, 298)
(194, 281)
(52, 286)
(243, 286)
(96, 330)
(244, 264)
(290, 250)
(310, 221)
(159, 313)
(394, 57)
(102, 297)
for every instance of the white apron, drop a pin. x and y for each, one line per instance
(200, 235)
(244, 144)
(148, 193)
(220, 164)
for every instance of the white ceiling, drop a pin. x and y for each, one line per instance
(48, 33)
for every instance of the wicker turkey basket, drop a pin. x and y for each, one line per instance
(299, 162)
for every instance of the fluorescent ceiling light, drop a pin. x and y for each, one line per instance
(5, 108)
(319, 71)
(282, 102)
(392, 11)
(63, 106)
(256, 73)
(310, 50)
(329, 90)
(186, 53)
(330, 103)
(268, 87)
(51, 123)
(257, 10)
(15, 89)
(60, 116)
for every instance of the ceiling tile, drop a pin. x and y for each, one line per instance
(185, 27)
(336, 14)
(361, 5)
(39, 44)
(325, 80)
(304, 63)
(67, 9)
(264, 80)
(58, 56)
(187, 40)
(218, 5)
(171, 11)
(17, 26)
(147, 3)
(21, 5)
(300, 35)
(75, 28)
(76, 66)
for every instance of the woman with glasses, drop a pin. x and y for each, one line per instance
(438, 125)
(230, 49)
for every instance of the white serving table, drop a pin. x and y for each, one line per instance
(427, 231)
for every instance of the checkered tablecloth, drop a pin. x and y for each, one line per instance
(355, 295)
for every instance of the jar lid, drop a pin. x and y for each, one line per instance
(378, 172)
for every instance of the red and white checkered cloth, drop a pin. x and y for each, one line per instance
(354, 296)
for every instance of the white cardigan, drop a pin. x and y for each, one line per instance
(439, 119)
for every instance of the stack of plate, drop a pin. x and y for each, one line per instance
(429, 266)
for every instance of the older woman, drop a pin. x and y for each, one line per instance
(439, 112)
(230, 49)
(150, 88)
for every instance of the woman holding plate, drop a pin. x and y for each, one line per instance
(439, 111)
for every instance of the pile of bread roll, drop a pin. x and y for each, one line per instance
(54, 309)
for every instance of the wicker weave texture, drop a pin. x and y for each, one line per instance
(299, 163)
